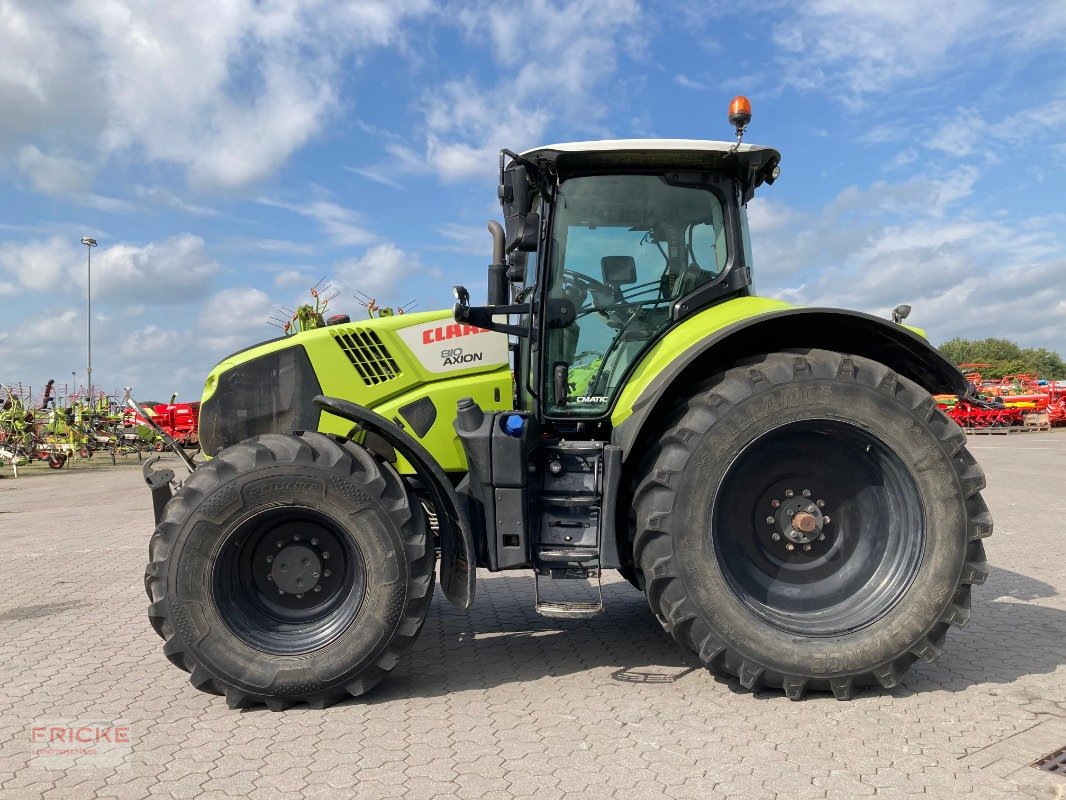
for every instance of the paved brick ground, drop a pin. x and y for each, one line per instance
(500, 703)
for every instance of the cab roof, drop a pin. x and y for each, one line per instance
(753, 164)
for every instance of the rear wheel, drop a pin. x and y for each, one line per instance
(810, 520)
(290, 568)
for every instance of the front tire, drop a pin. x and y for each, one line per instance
(810, 521)
(290, 568)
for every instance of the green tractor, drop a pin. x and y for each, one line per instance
(777, 480)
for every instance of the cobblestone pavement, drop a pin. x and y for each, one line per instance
(501, 703)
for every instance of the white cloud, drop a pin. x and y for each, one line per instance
(376, 174)
(233, 318)
(343, 225)
(53, 175)
(468, 239)
(237, 306)
(875, 247)
(686, 82)
(858, 48)
(292, 277)
(42, 263)
(381, 272)
(561, 74)
(171, 271)
(266, 245)
(224, 89)
(164, 198)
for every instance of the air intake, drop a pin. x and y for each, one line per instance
(370, 357)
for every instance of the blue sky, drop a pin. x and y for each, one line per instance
(227, 154)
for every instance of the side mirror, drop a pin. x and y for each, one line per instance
(527, 236)
(618, 270)
(514, 191)
(516, 266)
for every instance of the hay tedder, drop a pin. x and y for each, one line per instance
(777, 481)
(61, 430)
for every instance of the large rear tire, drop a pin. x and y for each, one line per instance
(290, 568)
(810, 521)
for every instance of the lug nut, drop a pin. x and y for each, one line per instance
(280, 543)
(821, 537)
(769, 520)
(270, 577)
(826, 519)
(296, 537)
(325, 554)
(806, 492)
(281, 591)
(326, 574)
(790, 546)
(820, 503)
(775, 536)
(318, 589)
(806, 547)
(789, 493)
(270, 559)
(775, 503)
(314, 541)
(299, 597)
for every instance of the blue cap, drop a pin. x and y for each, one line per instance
(512, 425)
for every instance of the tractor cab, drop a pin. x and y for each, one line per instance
(607, 245)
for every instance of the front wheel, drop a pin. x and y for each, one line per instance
(810, 520)
(290, 568)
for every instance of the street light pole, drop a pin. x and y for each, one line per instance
(89, 245)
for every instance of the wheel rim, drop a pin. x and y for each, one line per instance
(289, 581)
(818, 527)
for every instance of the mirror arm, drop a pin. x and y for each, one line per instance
(482, 316)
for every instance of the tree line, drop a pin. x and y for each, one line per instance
(1005, 358)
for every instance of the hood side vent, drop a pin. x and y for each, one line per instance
(368, 354)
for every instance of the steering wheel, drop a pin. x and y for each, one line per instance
(604, 298)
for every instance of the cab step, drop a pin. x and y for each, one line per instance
(564, 609)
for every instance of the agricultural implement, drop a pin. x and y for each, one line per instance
(60, 434)
(777, 481)
(1014, 402)
(178, 420)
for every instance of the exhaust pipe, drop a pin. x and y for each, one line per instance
(498, 288)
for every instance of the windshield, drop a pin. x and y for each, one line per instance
(624, 248)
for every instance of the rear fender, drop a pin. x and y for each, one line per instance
(457, 560)
(852, 332)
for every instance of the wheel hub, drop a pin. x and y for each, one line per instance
(798, 519)
(296, 569)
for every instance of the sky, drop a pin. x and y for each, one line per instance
(227, 154)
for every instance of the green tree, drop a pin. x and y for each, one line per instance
(1004, 357)
(1046, 363)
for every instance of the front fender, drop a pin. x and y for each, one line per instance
(457, 559)
(853, 332)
